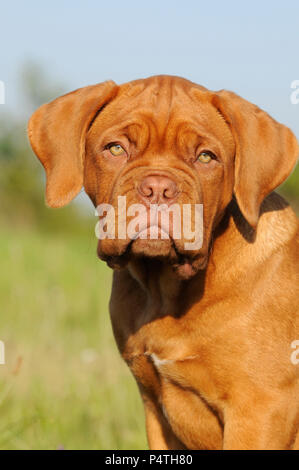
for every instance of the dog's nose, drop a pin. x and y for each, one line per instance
(158, 190)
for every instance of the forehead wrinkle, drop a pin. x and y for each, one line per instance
(173, 105)
(139, 133)
(159, 99)
(139, 129)
(206, 124)
(186, 136)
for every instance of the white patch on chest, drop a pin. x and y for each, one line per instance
(158, 362)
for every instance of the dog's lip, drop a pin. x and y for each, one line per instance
(150, 229)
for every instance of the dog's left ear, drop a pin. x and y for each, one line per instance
(266, 151)
(57, 133)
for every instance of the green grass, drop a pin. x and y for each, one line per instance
(64, 383)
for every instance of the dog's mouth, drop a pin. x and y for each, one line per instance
(152, 242)
(152, 232)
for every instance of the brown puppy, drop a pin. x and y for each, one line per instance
(207, 333)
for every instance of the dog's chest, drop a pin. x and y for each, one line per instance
(172, 359)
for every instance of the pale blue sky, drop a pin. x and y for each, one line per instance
(251, 48)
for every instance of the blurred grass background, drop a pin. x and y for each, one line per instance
(64, 384)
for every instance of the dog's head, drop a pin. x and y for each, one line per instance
(162, 140)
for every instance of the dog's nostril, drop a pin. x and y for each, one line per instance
(147, 191)
(170, 191)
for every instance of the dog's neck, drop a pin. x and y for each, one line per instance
(160, 284)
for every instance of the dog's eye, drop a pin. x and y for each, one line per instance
(205, 157)
(116, 150)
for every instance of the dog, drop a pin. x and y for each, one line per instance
(207, 332)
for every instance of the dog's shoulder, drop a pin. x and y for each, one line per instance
(276, 237)
(278, 224)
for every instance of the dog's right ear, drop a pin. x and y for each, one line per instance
(57, 132)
